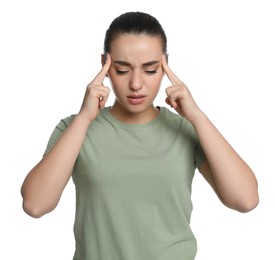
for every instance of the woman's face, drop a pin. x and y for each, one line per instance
(136, 72)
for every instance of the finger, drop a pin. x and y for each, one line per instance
(171, 102)
(98, 80)
(176, 91)
(100, 92)
(103, 99)
(171, 93)
(170, 74)
(175, 94)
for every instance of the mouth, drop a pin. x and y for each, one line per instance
(136, 99)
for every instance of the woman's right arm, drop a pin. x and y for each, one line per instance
(44, 184)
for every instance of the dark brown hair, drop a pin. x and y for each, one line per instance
(135, 23)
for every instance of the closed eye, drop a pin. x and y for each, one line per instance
(121, 71)
(151, 71)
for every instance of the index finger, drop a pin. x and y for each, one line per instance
(103, 72)
(170, 74)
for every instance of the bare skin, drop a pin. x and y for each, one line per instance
(228, 174)
(45, 183)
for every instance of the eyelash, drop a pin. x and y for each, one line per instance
(121, 72)
(151, 71)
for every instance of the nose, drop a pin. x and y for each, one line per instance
(136, 80)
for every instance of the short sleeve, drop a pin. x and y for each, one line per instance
(57, 132)
(199, 156)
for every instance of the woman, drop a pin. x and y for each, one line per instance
(133, 163)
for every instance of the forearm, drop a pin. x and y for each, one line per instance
(44, 184)
(231, 178)
(234, 179)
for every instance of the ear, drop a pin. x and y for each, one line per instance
(103, 59)
(166, 56)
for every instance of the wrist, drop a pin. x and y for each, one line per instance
(84, 120)
(197, 118)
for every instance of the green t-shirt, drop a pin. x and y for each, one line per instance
(133, 188)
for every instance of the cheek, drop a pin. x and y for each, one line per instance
(118, 85)
(114, 79)
(155, 82)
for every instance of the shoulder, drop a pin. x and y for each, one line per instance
(176, 121)
(64, 122)
(173, 117)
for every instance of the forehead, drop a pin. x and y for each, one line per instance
(131, 48)
(130, 42)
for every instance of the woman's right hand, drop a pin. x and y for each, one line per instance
(96, 94)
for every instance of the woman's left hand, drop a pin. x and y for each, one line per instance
(179, 96)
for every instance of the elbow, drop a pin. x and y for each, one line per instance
(33, 209)
(245, 205)
(36, 206)
(244, 199)
(250, 201)
(249, 204)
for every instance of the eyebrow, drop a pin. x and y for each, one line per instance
(125, 63)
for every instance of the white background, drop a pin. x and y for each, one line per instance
(223, 50)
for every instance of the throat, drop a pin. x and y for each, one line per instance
(134, 117)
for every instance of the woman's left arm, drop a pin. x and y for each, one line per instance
(229, 175)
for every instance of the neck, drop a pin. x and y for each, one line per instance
(134, 117)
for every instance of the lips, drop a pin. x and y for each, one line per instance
(136, 99)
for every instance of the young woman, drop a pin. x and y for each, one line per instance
(133, 163)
